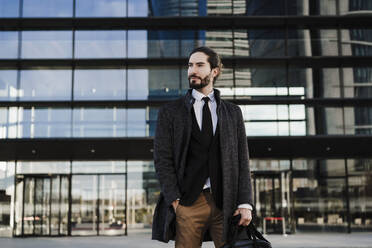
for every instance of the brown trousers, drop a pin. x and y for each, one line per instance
(192, 222)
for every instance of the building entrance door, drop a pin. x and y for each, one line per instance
(41, 205)
(272, 200)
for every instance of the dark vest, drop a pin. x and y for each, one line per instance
(203, 161)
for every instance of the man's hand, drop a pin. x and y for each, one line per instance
(175, 204)
(246, 216)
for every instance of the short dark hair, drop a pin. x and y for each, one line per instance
(214, 59)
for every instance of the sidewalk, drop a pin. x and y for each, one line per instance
(308, 240)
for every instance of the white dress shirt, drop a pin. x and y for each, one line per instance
(198, 107)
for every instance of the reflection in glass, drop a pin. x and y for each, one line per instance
(45, 85)
(99, 85)
(100, 8)
(100, 44)
(43, 167)
(84, 195)
(8, 45)
(8, 85)
(360, 181)
(137, 44)
(3, 122)
(112, 204)
(47, 8)
(143, 193)
(9, 8)
(105, 122)
(98, 167)
(138, 8)
(7, 197)
(44, 122)
(137, 124)
(319, 196)
(163, 83)
(46, 44)
(138, 84)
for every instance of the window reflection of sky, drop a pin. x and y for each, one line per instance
(8, 45)
(46, 44)
(45, 85)
(8, 84)
(47, 8)
(100, 8)
(100, 44)
(9, 8)
(99, 84)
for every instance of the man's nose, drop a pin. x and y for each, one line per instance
(192, 70)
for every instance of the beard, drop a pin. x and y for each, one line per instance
(203, 82)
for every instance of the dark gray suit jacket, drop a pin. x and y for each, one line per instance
(171, 143)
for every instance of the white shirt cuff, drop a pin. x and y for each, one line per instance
(246, 205)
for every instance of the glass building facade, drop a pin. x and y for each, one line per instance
(81, 82)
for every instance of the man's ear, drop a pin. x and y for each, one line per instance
(216, 71)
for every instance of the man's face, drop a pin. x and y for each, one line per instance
(199, 72)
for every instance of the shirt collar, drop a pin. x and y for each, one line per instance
(198, 96)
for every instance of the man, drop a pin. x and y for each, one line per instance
(201, 160)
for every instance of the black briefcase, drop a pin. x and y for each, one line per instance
(253, 239)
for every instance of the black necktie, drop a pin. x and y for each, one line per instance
(207, 126)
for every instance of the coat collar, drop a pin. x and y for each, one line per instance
(189, 99)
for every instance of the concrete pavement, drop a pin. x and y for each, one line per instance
(142, 240)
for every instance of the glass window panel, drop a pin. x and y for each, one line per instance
(143, 193)
(137, 44)
(99, 85)
(265, 112)
(44, 123)
(153, 117)
(138, 84)
(297, 112)
(43, 167)
(9, 8)
(100, 44)
(47, 8)
(45, 85)
(357, 42)
(12, 122)
(299, 42)
(46, 44)
(360, 178)
(357, 82)
(320, 201)
(269, 165)
(241, 43)
(100, 8)
(163, 82)
(277, 7)
(98, 167)
(8, 44)
(137, 123)
(163, 43)
(325, 43)
(105, 122)
(3, 122)
(221, 41)
(263, 128)
(8, 85)
(297, 128)
(266, 43)
(138, 8)
(7, 169)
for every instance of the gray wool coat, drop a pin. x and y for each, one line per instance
(171, 144)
